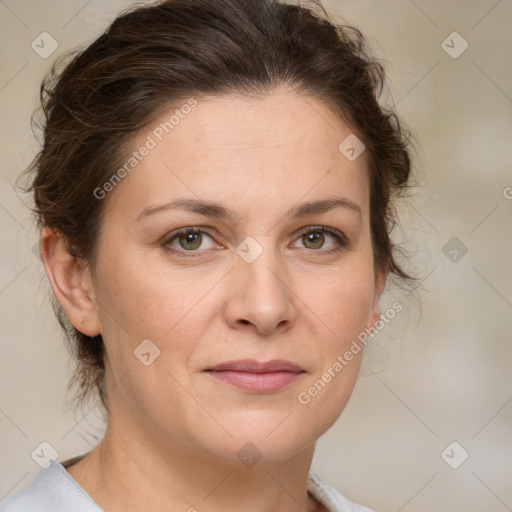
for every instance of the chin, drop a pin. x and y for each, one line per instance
(258, 438)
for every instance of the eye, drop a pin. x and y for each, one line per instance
(189, 240)
(314, 238)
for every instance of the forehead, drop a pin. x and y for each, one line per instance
(274, 148)
(297, 125)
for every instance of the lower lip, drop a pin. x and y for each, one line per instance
(259, 382)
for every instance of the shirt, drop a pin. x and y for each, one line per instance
(55, 490)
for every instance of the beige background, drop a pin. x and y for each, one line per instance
(440, 372)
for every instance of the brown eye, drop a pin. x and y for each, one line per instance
(322, 239)
(313, 240)
(190, 241)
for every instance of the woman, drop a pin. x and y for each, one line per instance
(215, 195)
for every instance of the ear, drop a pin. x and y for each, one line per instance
(71, 281)
(380, 282)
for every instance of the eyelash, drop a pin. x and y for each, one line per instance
(340, 238)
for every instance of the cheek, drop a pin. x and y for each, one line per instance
(131, 310)
(345, 309)
(140, 303)
(344, 304)
(142, 326)
(137, 299)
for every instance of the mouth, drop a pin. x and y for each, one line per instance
(259, 377)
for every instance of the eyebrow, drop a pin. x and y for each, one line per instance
(216, 210)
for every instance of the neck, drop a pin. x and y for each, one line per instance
(129, 472)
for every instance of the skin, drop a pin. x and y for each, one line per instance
(174, 431)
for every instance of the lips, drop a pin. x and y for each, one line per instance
(252, 366)
(259, 377)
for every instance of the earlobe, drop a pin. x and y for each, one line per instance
(71, 282)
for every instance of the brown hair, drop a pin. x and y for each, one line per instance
(150, 57)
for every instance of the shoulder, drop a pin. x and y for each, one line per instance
(52, 490)
(333, 500)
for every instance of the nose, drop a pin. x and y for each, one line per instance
(259, 296)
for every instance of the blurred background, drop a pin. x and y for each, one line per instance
(428, 426)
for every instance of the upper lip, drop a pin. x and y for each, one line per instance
(252, 366)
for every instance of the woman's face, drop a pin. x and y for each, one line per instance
(262, 283)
